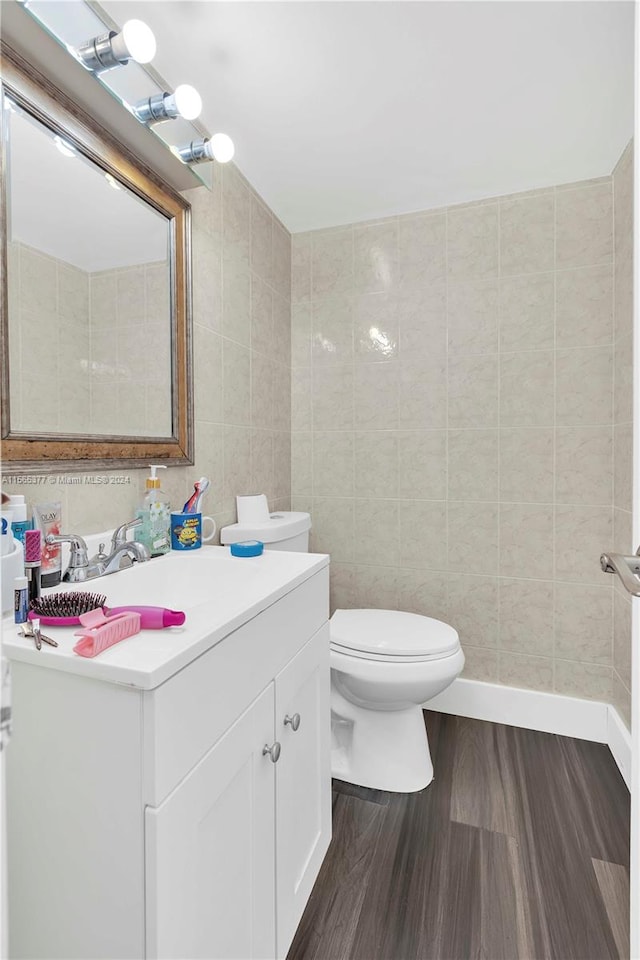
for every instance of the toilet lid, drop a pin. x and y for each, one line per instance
(392, 633)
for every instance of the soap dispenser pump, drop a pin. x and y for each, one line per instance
(155, 513)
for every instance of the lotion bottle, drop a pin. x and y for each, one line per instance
(155, 513)
(19, 524)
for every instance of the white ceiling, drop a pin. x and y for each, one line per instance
(346, 111)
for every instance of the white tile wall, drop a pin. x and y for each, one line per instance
(453, 432)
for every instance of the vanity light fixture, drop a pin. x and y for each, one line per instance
(140, 90)
(185, 102)
(219, 147)
(134, 42)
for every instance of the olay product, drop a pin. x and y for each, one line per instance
(47, 519)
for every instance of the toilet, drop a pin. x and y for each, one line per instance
(384, 665)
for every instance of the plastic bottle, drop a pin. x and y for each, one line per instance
(47, 518)
(17, 504)
(6, 536)
(155, 513)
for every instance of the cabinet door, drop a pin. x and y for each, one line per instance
(303, 781)
(210, 850)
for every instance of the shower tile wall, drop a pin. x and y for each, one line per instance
(452, 422)
(623, 417)
(242, 368)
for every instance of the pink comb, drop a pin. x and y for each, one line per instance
(102, 632)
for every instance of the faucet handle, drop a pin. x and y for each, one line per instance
(78, 559)
(78, 545)
(120, 533)
(100, 555)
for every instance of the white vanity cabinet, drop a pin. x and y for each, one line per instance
(154, 822)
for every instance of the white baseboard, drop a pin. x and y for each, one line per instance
(536, 710)
(619, 741)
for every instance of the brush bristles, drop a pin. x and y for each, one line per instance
(70, 604)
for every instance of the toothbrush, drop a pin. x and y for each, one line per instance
(200, 487)
(204, 486)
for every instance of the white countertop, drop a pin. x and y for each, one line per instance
(218, 593)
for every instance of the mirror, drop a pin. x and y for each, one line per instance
(95, 334)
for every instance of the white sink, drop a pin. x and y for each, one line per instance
(179, 581)
(217, 592)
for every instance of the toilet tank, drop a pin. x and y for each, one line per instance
(285, 530)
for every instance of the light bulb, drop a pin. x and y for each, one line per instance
(135, 41)
(188, 101)
(65, 148)
(220, 147)
(185, 102)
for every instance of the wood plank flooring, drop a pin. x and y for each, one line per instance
(518, 850)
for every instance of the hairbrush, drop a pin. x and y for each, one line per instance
(65, 610)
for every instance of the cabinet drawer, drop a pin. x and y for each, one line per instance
(185, 716)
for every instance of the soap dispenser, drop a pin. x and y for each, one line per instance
(155, 513)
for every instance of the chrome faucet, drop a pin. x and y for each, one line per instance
(79, 568)
(123, 554)
(120, 533)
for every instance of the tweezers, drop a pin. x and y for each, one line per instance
(32, 629)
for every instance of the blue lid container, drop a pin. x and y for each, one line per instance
(248, 548)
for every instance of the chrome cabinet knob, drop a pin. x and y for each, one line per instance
(294, 721)
(273, 751)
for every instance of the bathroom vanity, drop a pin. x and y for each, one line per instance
(172, 797)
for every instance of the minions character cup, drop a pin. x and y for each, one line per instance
(186, 531)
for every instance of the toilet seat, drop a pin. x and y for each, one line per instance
(391, 636)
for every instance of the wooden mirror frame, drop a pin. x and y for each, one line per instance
(27, 453)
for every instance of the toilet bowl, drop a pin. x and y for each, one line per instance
(384, 665)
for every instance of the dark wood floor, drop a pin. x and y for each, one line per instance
(519, 849)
